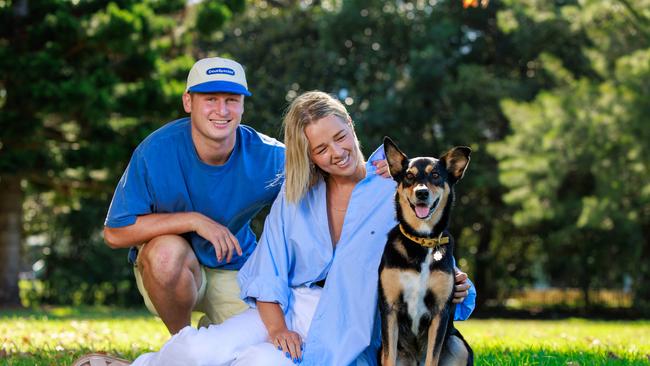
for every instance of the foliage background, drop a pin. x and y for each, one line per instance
(550, 95)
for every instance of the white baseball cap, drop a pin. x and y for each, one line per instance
(217, 75)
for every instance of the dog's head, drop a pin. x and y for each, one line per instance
(425, 185)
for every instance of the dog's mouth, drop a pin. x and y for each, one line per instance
(423, 210)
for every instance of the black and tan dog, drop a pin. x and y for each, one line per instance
(416, 275)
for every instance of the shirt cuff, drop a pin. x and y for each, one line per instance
(465, 308)
(123, 221)
(265, 289)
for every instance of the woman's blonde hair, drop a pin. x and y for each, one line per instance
(300, 172)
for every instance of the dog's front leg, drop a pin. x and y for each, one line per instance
(391, 332)
(434, 341)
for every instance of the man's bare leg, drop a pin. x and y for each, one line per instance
(172, 277)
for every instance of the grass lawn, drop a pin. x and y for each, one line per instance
(57, 336)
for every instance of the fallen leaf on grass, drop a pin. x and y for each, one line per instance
(3, 353)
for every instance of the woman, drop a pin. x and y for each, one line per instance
(329, 222)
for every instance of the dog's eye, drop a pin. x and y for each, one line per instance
(410, 176)
(435, 175)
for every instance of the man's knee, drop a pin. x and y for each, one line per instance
(165, 258)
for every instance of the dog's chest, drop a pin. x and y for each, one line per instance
(416, 285)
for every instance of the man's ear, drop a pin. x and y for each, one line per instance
(456, 161)
(397, 161)
(187, 102)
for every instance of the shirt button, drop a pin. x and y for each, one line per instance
(372, 232)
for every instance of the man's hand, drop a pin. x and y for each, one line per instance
(289, 343)
(461, 287)
(224, 242)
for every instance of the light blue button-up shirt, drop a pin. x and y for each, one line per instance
(296, 250)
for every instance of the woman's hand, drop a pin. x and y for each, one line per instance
(289, 343)
(461, 287)
(381, 168)
(285, 340)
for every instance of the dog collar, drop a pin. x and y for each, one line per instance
(425, 242)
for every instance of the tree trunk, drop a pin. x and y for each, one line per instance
(642, 280)
(482, 279)
(11, 214)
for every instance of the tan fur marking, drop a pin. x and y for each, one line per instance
(432, 359)
(389, 279)
(441, 284)
(428, 169)
(407, 211)
(390, 284)
(413, 170)
(441, 205)
(399, 247)
(389, 356)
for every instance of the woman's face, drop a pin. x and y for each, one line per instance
(333, 146)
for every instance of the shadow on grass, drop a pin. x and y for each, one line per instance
(81, 313)
(559, 312)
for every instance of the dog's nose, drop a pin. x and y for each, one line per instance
(422, 194)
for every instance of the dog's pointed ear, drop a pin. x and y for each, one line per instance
(456, 161)
(397, 161)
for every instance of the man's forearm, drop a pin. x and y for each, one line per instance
(147, 227)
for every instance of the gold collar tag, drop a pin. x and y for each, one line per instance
(426, 242)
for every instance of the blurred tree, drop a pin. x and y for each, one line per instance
(430, 76)
(82, 83)
(577, 162)
(565, 81)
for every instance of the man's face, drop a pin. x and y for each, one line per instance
(215, 116)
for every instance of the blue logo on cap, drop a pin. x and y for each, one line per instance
(220, 70)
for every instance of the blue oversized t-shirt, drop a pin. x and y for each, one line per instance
(165, 175)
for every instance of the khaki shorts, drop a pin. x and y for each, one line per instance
(218, 297)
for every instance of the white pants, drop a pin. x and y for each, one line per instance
(241, 340)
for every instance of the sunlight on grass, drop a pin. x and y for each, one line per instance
(559, 342)
(59, 335)
(64, 334)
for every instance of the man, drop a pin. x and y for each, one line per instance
(187, 198)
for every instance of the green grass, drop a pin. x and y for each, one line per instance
(558, 342)
(57, 336)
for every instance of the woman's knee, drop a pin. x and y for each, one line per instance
(197, 347)
(219, 344)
